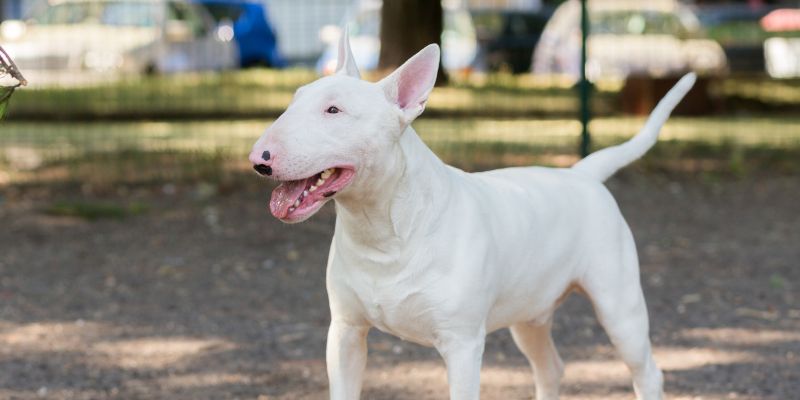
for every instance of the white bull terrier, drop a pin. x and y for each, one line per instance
(441, 257)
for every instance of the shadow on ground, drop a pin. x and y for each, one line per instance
(205, 296)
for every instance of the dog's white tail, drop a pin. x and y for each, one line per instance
(604, 163)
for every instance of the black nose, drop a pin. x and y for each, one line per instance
(265, 155)
(263, 169)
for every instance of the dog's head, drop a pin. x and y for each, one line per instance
(340, 134)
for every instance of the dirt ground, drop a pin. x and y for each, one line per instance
(203, 295)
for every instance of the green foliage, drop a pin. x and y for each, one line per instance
(94, 210)
(777, 282)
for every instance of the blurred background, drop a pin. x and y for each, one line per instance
(203, 78)
(138, 260)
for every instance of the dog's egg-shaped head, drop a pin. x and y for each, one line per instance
(339, 133)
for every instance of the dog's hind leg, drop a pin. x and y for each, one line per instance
(616, 292)
(625, 321)
(537, 345)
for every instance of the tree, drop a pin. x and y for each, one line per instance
(406, 27)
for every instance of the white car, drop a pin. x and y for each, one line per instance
(782, 50)
(119, 35)
(459, 43)
(627, 37)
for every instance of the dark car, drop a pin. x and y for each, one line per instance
(507, 38)
(252, 30)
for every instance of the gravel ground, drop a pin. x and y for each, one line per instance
(204, 296)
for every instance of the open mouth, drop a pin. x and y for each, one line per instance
(299, 199)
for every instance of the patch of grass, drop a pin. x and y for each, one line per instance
(4, 100)
(33, 144)
(761, 89)
(199, 95)
(777, 282)
(94, 210)
(256, 93)
(266, 93)
(137, 166)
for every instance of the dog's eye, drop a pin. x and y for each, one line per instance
(332, 110)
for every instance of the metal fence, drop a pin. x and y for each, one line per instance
(95, 122)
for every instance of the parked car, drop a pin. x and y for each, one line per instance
(118, 35)
(627, 37)
(252, 30)
(507, 37)
(782, 48)
(13, 9)
(459, 45)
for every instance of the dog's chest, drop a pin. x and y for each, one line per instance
(401, 311)
(395, 290)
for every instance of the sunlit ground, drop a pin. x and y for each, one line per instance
(25, 147)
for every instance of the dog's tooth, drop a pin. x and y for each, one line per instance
(291, 209)
(312, 189)
(297, 203)
(305, 193)
(320, 181)
(327, 173)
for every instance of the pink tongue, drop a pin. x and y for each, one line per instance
(284, 197)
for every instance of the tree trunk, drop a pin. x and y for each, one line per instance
(406, 27)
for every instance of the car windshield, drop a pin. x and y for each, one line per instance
(636, 23)
(114, 13)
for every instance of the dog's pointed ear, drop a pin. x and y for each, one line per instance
(410, 85)
(346, 64)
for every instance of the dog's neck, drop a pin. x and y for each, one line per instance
(410, 192)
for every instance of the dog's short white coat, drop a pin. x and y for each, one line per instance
(441, 257)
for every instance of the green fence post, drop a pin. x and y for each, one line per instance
(584, 86)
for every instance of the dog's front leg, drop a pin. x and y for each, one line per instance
(462, 354)
(346, 357)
